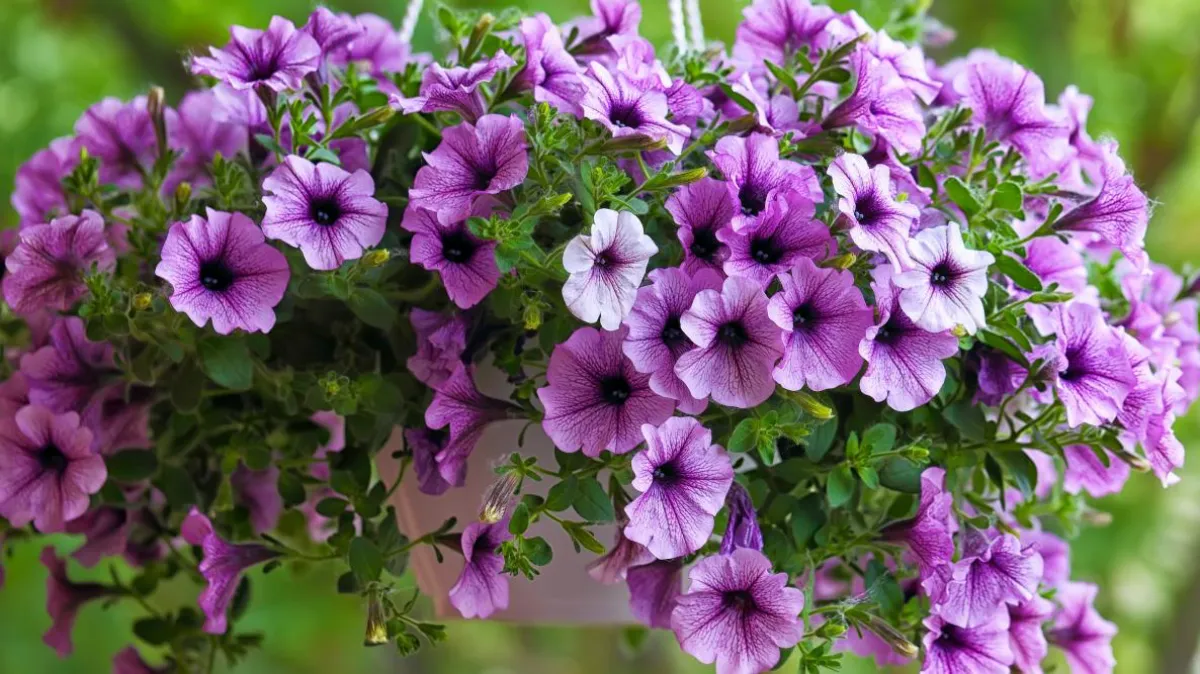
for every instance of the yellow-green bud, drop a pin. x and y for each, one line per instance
(844, 261)
(376, 633)
(815, 408)
(143, 301)
(376, 258)
(498, 499)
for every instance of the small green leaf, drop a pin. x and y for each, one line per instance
(900, 474)
(365, 560)
(132, 465)
(744, 436)
(331, 506)
(840, 486)
(538, 551)
(1007, 196)
(869, 476)
(820, 440)
(968, 419)
(227, 361)
(1022, 472)
(176, 484)
(518, 523)
(1004, 346)
(1020, 274)
(592, 503)
(880, 438)
(291, 489)
(808, 517)
(562, 495)
(371, 308)
(882, 587)
(187, 388)
(961, 195)
(154, 631)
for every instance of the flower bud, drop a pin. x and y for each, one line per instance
(831, 630)
(632, 143)
(531, 317)
(811, 406)
(958, 331)
(377, 632)
(891, 636)
(743, 124)
(1135, 462)
(498, 499)
(844, 261)
(376, 258)
(154, 107)
(683, 178)
(142, 301)
(742, 530)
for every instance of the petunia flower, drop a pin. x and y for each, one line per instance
(46, 269)
(472, 161)
(876, 221)
(441, 340)
(550, 71)
(783, 234)
(755, 175)
(105, 531)
(737, 345)
(276, 59)
(455, 89)
(482, 587)
(683, 479)
(199, 134)
(904, 362)
(654, 589)
(1118, 213)
(425, 444)
(1090, 370)
(881, 105)
(945, 285)
(614, 565)
(929, 535)
(1080, 631)
(1163, 449)
(47, 468)
(774, 30)
(64, 375)
(984, 649)
(823, 318)
(458, 405)
(120, 135)
(329, 214)
(221, 268)
(742, 530)
(594, 398)
(1026, 638)
(38, 194)
(909, 63)
(465, 263)
(331, 31)
(379, 48)
(129, 661)
(625, 108)
(221, 567)
(1087, 471)
(64, 598)
(702, 210)
(609, 18)
(606, 268)
(993, 571)
(737, 613)
(257, 491)
(1055, 553)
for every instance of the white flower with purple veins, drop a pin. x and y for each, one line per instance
(606, 268)
(945, 284)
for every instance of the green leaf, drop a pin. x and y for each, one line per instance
(961, 195)
(820, 440)
(227, 361)
(582, 538)
(1003, 345)
(592, 503)
(1022, 472)
(1007, 196)
(371, 308)
(176, 484)
(538, 551)
(968, 419)
(562, 495)
(869, 476)
(883, 588)
(880, 438)
(132, 465)
(1020, 274)
(348, 584)
(840, 486)
(291, 489)
(154, 631)
(808, 517)
(742, 102)
(518, 523)
(744, 436)
(187, 388)
(785, 78)
(902, 475)
(365, 560)
(331, 506)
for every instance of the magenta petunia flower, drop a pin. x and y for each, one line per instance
(482, 587)
(38, 193)
(737, 613)
(930, 535)
(881, 105)
(1086, 471)
(459, 405)
(614, 565)
(276, 59)
(683, 478)
(221, 567)
(742, 530)
(47, 468)
(773, 30)
(1090, 369)
(1080, 631)
(129, 661)
(121, 136)
(908, 62)
(823, 318)
(473, 160)
(876, 221)
(105, 531)
(656, 339)
(609, 18)
(984, 649)
(455, 89)
(1163, 449)
(14, 394)
(945, 285)
(654, 589)
(1055, 553)
(221, 268)
(199, 134)
(425, 444)
(783, 234)
(64, 598)
(465, 263)
(904, 362)
(64, 375)
(625, 108)
(257, 491)
(994, 571)
(702, 210)
(998, 375)
(1118, 213)
(550, 71)
(329, 214)
(46, 269)
(737, 345)
(1026, 638)
(606, 268)
(441, 340)
(332, 32)
(595, 399)
(755, 175)
(377, 47)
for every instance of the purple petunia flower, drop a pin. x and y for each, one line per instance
(908, 62)
(1055, 553)
(276, 59)
(550, 71)
(654, 590)
(944, 288)
(332, 32)
(1164, 451)
(47, 468)
(737, 613)
(1081, 632)
(129, 661)
(258, 492)
(121, 136)
(64, 598)
(755, 175)
(459, 405)
(773, 30)
(106, 534)
(1118, 213)
(904, 362)
(625, 108)
(702, 210)
(998, 376)
(683, 478)
(609, 18)
(221, 567)
(1090, 370)
(783, 234)
(378, 47)
(46, 269)
(656, 339)
(737, 345)
(482, 587)
(441, 340)
(472, 161)
(606, 268)
(1026, 638)
(877, 222)
(950, 649)
(1087, 471)
(64, 375)
(823, 318)
(199, 134)
(881, 105)
(425, 444)
(614, 565)
(993, 571)
(38, 192)
(455, 89)
(742, 530)
(329, 214)
(929, 535)
(465, 263)
(595, 399)
(221, 268)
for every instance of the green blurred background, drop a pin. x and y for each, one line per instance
(1140, 59)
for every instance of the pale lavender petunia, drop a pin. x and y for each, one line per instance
(654, 589)
(950, 649)
(881, 105)
(47, 268)
(737, 345)
(929, 535)
(441, 340)
(482, 587)
(221, 268)
(755, 175)
(454, 89)
(656, 339)
(702, 210)
(458, 405)
(121, 135)
(683, 479)
(105, 531)
(995, 570)
(1145, 399)
(465, 263)
(945, 284)
(67, 373)
(737, 613)
(741, 530)
(606, 268)
(472, 161)
(1163, 449)
(38, 193)
(909, 63)
(552, 73)
(1118, 213)
(595, 399)
(783, 234)
(1090, 370)
(329, 214)
(823, 318)
(774, 30)
(64, 598)
(904, 362)
(1026, 637)
(877, 222)
(625, 108)
(1055, 553)
(998, 375)
(1081, 632)
(276, 59)
(199, 134)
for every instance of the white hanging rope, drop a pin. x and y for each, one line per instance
(411, 16)
(695, 25)
(677, 30)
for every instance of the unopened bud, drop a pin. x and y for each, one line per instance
(154, 107)
(376, 258)
(531, 317)
(499, 498)
(377, 632)
(373, 119)
(551, 204)
(684, 178)
(831, 630)
(843, 261)
(1097, 518)
(813, 407)
(958, 331)
(1135, 462)
(636, 142)
(891, 636)
(142, 301)
(183, 194)
(743, 124)
(916, 453)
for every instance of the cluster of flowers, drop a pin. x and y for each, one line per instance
(880, 323)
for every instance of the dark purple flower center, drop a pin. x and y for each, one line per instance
(666, 474)
(803, 315)
(889, 333)
(949, 637)
(752, 198)
(52, 459)
(325, 211)
(741, 601)
(457, 246)
(732, 334)
(1075, 369)
(604, 260)
(672, 334)
(625, 114)
(705, 244)
(942, 274)
(215, 275)
(483, 177)
(615, 390)
(867, 209)
(765, 250)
